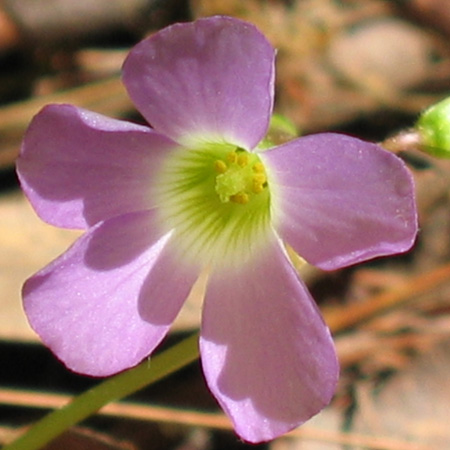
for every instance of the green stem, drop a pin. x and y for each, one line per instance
(110, 390)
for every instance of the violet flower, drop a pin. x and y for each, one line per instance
(195, 192)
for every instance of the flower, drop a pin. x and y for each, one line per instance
(194, 193)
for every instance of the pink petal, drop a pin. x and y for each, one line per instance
(78, 167)
(267, 355)
(210, 80)
(108, 301)
(338, 200)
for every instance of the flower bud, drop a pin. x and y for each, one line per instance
(433, 127)
(281, 130)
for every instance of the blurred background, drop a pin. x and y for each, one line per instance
(362, 67)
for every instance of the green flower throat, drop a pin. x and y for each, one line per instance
(216, 200)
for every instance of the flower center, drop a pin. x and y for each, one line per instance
(217, 202)
(241, 176)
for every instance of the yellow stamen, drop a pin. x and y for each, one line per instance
(241, 198)
(242, 159)
(259, 178)
(258, 181)
(258, 167)
(220, 166)
(257, 188)
(232, 157)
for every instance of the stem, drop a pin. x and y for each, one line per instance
(112, 389)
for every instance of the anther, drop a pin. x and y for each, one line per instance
(232, 157)
(258, 167)
(259, 178)
(257, 188)
(220, 166)
(241, 197)
(242, 159)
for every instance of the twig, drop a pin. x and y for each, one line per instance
(339, 320)
(219, 421)
(105, 97)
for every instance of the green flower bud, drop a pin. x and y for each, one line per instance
(281, 130)
(433, 127)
